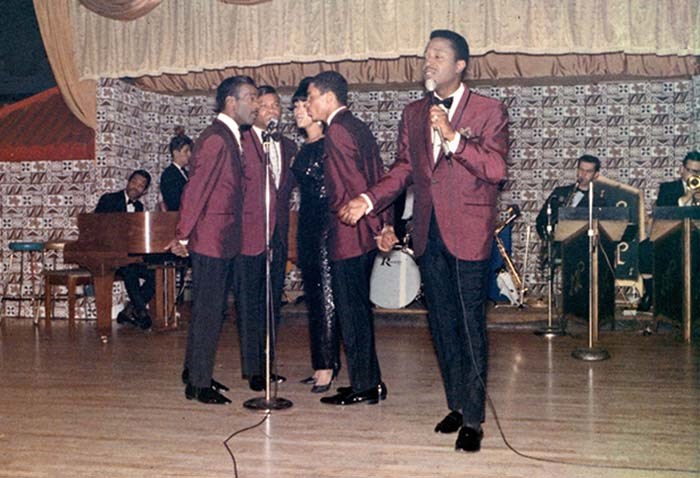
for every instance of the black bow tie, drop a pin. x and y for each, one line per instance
(447, 102)
(130, 201)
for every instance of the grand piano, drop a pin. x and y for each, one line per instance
(108, 241)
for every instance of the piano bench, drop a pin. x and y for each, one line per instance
(70, 277)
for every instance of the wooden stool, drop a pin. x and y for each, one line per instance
(70, 278)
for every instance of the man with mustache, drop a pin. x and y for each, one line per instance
(452, 148)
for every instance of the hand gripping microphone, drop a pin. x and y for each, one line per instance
(430, 86)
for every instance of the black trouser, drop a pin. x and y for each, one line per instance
(350, 280)
(250, 295)
(211, 280)
(455, 293)
(139, 294)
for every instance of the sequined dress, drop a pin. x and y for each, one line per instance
(312, 236)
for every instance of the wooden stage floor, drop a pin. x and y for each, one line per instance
(73, 407)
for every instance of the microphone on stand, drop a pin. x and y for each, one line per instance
(430, 86)
(271, 132)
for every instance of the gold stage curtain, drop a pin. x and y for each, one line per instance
(183, 36)
(492, 68)
(57, 35)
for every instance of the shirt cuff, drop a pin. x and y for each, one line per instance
(370, 206)
(454, 144)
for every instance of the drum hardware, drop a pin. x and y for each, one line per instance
(509, 281)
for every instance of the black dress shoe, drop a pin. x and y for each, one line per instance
(370, 396)
(450, 424)
(308, 380)
(218, 386)
(323, 388)
(124, 318)
(205, 395)
(469, 440)
(143, 320)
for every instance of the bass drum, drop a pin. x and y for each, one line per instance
(395, 280)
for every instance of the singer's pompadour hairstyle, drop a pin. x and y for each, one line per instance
(459, 44)
(332, 81)
(230, 87)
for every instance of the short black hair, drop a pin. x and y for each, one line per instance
(589, 158)
(179, 141)
(691, 156)
(267, 90)
(230, 87)
(334, 82)
(143, 173)
(302, 91)
(458, 42)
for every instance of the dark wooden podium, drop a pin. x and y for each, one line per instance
(675, 234)
(609, 224)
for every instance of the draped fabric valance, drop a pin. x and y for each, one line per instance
(183, 36)
(492, 68)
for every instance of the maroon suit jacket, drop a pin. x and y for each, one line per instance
(463, 193)
(253, 239)
(210, 210)
(352, 165)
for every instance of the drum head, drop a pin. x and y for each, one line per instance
(395, 280)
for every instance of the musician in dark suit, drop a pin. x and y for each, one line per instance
(249, 278)
(452, 147)
(209, 230)
(671, 194)
(174, 177)
(351, 165)
(572, 195)
(677, 193)
(127, 200)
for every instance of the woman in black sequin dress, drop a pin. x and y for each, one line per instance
(312, 248)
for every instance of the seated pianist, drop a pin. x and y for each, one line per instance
(127, 200)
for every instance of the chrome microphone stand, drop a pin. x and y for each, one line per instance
(592, 353)
(550, 331)
(268, 402)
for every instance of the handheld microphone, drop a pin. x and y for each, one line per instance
(430, 86)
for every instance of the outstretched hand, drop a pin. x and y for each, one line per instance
(353, 211)
(177, 248)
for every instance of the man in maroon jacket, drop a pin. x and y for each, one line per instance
(249, 278)
(351, 165)
(452, 147)
(209, 230)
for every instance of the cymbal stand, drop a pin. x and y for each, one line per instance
(550, 331)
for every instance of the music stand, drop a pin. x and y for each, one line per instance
(668, 266)
(613, 222)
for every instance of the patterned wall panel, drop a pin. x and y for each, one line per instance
(639, 129)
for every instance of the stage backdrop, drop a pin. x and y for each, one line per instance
(640, 129)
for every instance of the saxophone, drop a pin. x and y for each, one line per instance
(509, 281)
(570, 197)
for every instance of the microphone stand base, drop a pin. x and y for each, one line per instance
(550, 332)
(274, 403)
(590, 354)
